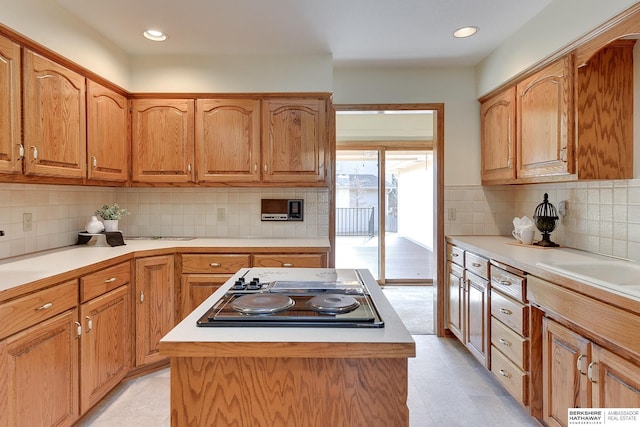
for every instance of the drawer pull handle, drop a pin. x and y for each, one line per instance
(454, 255)
(215, 264)
(89, 323)
(476, 265)
(287, 264)
(505, 342)
(45, 306)
(579, 364)
(590, 372)
(113, 279)
(504, 373)
(78, 329)
(141, 296)
(505, 282)
(506, 311)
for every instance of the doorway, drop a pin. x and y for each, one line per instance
(385, 195)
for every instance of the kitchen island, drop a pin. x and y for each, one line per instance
(290, 376)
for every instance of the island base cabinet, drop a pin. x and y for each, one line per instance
(288, 392)
(39, 368)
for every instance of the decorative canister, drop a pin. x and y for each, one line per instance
(94, 226)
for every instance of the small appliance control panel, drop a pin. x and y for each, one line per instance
(282, 210)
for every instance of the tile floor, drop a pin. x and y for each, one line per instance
(447, 388)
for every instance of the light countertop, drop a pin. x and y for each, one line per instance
(533, 259)
(391, 341)
(30, 268)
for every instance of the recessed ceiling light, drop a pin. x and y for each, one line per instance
(465, 32)
(155, 35)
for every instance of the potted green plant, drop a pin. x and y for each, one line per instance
(110, 216)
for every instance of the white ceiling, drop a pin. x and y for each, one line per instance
(355, 32)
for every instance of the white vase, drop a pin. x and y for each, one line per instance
(110, 225)
(94, 226)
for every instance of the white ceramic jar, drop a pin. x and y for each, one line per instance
(94, 226)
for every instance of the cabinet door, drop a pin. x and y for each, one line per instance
(615, 381)
(107, 130)
(198, 287)
(54, 119)
(10, 121)
(295, 141)
(154, 305)
(228, 140)
(477, 317)
(162, 140)
(498, 137)
(545, 120)
(39, 371)
(455, 300)
(565, 357)
(105, 345)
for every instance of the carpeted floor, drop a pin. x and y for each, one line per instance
(414, 305)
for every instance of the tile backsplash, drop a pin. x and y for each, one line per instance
(59, 212)
(602, 216)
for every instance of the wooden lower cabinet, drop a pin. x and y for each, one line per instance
(477, 317)
(154, 305)
(578, 373)
(105, 345)
(39, 368)
(198, 287)
(615, 381)
(455, 300)
(565, 385)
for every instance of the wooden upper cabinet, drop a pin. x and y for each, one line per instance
(545, 119)
(605, 113)
(107, 134)
(498, 137)
(227, 140)
(294, 140)
(10, 121)
(162, 140)
(54, 119)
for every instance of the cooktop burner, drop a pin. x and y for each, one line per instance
(333, 303)
(290, 303)
(262, 303)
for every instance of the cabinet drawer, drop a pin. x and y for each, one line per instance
(26, 311)
(307, 261)
(508, 283)
(103, 281)
(510, 376)
(455, 254)
(213, 263)
(512, 345)
(512, 313)
(476, 264)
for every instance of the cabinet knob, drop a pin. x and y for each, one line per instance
(89, 323)
(287, 264)
(476, 265)
(505, 342)
(265, 167)
(506, 311)
(21, 151)
(505, 282)
(35, 152)
(94, 162)
(215, 264)
(45, 306)
(141, 296)
(111, 280)
(189, 168)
